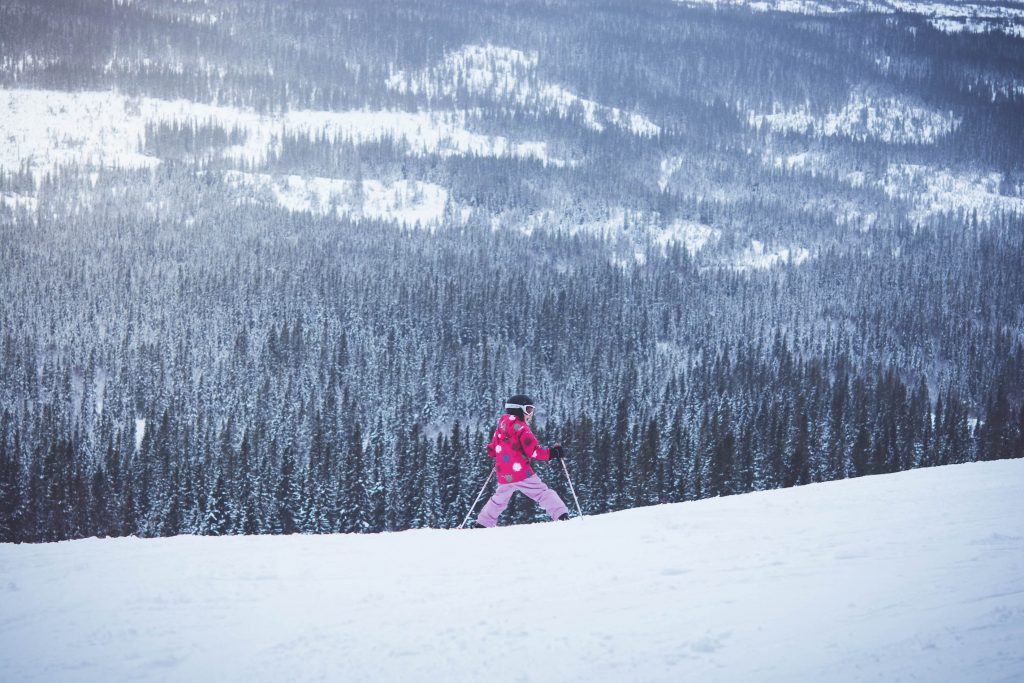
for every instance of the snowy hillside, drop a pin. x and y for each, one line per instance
(523, 130)
(510, 75)
(914, 576)
(951, 17)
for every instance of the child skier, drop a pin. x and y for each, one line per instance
(513, 446)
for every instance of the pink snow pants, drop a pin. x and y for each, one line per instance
(533, 487)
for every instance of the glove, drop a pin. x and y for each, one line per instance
(556, 452)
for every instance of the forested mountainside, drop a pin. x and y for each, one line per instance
(272, 267)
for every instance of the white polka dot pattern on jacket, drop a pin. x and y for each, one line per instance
(513, 449)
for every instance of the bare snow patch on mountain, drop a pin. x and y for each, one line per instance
(606, 223)
(668, 168)
(45, 129)
(18, 202)
(17, 64)
(929, 190)
(489, 70)
(812, 7)
(757, 257)
(975, 17)
(864, 117)
(811, 162)
(506, 74)
(443, 133)
(628, 231)
(140, 432)
(950, 16)
(408, 202)
(691, 234)
(937, 190)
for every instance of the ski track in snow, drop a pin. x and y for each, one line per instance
(914, 576)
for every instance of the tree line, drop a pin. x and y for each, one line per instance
(255, 370)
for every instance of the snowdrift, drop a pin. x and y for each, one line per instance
(914, 576)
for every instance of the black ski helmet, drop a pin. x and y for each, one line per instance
(514, 405)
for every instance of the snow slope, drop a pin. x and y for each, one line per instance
(408, 202)
(45, 129)
(915, 576)
(951, 16)
(505, 74)
(755, 257)
(866, 117)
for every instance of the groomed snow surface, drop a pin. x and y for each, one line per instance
(917, 576)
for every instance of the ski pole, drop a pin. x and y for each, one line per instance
(571, 487)
(471, 507)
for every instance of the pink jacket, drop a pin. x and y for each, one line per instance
(513, 446)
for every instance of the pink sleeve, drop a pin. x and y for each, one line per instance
(531, 449)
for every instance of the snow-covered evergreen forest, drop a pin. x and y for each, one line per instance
(274, 267)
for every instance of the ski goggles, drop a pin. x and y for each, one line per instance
(527, 409)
